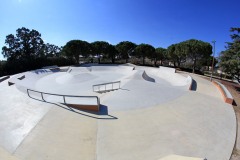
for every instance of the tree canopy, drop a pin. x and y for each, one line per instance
(144, 50)
(194, 50)
(100, 48)
(27, 44)
(160, 54)
(125, 48)
(51, 50)
(197, 50)
(26, 51)
(230, 58)
(27, 48)
(112, 52)
(75, 48)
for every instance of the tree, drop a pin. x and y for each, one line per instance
(177, 53)
(112, 52)
(100, 48)
(161, 54)
(230, 58)
(27, 44)
(171, 52)
(75, 48)
(125, 48)
(144, 50)
(208, 62)
(197, 50)
(51, 50)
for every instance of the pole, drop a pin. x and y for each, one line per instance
(213, 59)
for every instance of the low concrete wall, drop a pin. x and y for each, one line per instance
(94, 108)
(189, 82)
(227, 97)
(147, 78)
(79, 69)
(4, 78)
(167, 69)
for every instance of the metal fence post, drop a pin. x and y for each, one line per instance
(42, 96)
(64, 99)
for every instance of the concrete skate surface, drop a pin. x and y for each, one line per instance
(152, 116)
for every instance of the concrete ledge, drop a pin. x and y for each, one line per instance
(4, 78)
(21, 78)
(167, 69)
(190, 82)
(94, 108)
(15, 79)
(227, 97)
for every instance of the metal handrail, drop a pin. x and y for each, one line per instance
(105, 84)
(64, 100)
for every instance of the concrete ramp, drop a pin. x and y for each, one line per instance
(111, 68)
(167, 69)
(147, 78)
(126, 68)
(165, 75)
(173, 78)
(79, 69)
(141, 75)
(68, 78)
(28, 79)
(104, 68)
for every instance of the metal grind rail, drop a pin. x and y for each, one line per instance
(103, 87)
(63, 96)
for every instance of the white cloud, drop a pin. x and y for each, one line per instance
(19, 1)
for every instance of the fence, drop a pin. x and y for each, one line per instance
(65, 97)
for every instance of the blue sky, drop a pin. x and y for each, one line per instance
(156, 22)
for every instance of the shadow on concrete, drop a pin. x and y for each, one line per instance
(194, 85)
(234, 103)
(124, 89)
(101, 114)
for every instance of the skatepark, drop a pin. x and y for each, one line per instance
(113, 112)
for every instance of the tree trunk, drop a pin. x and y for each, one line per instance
(178, 63)
(143, 60)
(194, 65)
(77, 59)
(99, 59)
(126, 60)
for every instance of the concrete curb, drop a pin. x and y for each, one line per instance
(227, 97)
